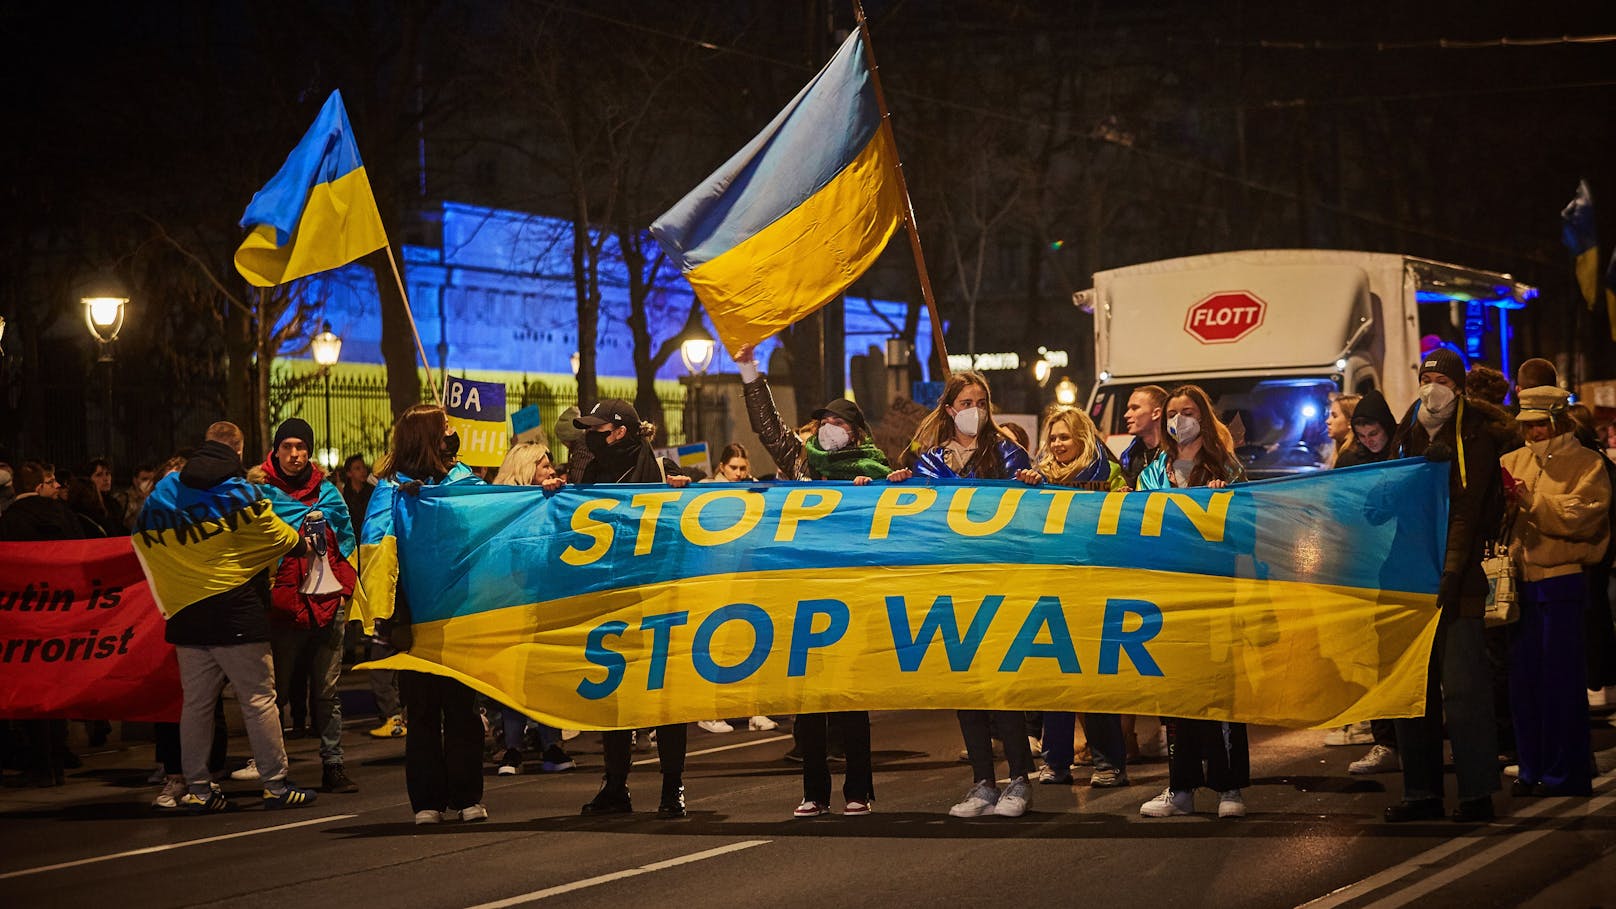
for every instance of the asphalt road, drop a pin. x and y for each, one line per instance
(1313, 837)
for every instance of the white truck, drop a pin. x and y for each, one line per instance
(1271, 333)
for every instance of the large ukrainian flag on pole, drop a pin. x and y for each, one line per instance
(317, 213)
(798, 214)
(1580, 238)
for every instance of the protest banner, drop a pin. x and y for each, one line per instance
(80, 636)
(477, 412)
(1301, 602)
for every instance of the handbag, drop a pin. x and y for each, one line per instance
(1503, 604)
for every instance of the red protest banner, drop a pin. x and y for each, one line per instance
(80, 637)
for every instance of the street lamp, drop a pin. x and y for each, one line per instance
(574, 361)
(1041, 371)
(104, 298)
(327, 347)
(1066, 392)
(697, 351)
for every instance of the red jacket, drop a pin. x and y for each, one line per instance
(289, 606)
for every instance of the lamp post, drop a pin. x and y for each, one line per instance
(696, 350)
(105, 298)
(1066, 392)
(327, 347)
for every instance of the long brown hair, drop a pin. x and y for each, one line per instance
(417, 449)
(1216, 459)
(938, 428)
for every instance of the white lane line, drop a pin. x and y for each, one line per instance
(772, 738)
(1435, 854)
(169, 846)
(620, 875)
(1486, 857)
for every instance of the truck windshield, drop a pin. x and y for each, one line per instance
(1278, 425)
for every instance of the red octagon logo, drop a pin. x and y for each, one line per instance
(1225, 316)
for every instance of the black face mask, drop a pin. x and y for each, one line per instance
(451, 445)
(596, 442)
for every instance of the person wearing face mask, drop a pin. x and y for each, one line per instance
(619, 446)
(836, 446)
(139, 488)
(1562, 498)
(1443, 426)
(1070, 454)
(1209, 753)
(959, 439)
(1372, 429)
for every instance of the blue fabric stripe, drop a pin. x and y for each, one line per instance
(802, 149)
(326, 152)
(465, 550)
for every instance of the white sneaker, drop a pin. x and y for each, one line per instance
(1380, 759)
(716, 726)
(1231, 804)
(1513, 771)
(1015, 799)
(761, 724)
(979, 801)
(1356, 734)
(174, 789)
(810, 808)
(428, 817)
(247, 773)
(1169, 804)
(474, 814)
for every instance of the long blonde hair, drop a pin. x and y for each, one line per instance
(1349, 406)
(1084, 435)
(520, 463)
(938, 428)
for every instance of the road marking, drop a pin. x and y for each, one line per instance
(169, 846)
(691, 754)
(620, 875)
(1437, 853)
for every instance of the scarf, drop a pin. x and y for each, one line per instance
(862, 460)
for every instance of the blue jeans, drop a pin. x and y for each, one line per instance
(516, 724)
(1104, 732)
(1458, 686)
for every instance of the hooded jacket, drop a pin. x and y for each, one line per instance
(1564, 503)
(1473, 440)
(1371, 407)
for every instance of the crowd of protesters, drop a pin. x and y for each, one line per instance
(1534, 477)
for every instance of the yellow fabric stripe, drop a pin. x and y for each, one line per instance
(340, 223)
(207, 558)
(1286, 653)
(803, 260)
(378, 583)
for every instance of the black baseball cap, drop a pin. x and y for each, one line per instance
(845, 410)
(609, 410)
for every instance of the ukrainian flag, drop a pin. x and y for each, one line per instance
(798, 214)
(317, 213)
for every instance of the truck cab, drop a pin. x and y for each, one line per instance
(1272, 334)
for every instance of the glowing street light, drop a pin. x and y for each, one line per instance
(697, 349)
(327, 347)
(1066, 392)
(104, 298)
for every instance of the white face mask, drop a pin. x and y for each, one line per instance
(833, 437)
(5, 478)
(1438, 399)
(969, 421)
(1184, 429)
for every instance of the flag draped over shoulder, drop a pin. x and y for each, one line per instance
(1580, 237)
(196, 543)
(317, 213)
(796, 215)
(331, 505)
(378, 551)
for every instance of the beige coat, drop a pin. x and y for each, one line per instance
(1563, 523)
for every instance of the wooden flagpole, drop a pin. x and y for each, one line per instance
(903, 185)
(431, 385)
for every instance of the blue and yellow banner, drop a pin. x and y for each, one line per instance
(796, 215)
(317, 212)
(1301, 602)
(196, 543)
(477, 412)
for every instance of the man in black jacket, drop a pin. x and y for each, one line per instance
(1444, 425)
(226, 637)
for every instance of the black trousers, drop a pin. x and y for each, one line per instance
(1207, 753)
(443, 754)
(813, 731)
(619, 746)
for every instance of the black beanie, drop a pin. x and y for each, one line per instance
(1447, 363)
(294, 429)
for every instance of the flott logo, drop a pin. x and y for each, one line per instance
(1225, 316)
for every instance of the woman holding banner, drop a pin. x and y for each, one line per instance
(839, 447)
(959, 439)
(1070, 453)
(1199, 451)
(443, 754)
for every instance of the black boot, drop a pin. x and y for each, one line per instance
(612, 798)
(673, 798)
(1416, 810)
(1474, 811)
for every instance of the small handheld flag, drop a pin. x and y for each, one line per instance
(317, 213)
